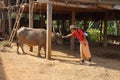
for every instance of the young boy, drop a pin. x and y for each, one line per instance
(84, 47)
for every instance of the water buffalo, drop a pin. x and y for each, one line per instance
(33, 37)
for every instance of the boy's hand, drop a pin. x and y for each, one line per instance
(63, 37)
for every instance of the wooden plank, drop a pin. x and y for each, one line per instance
(42, 1)
(68, 4)
(85, 1)
(79, 1)
(49, 26)
(74, 5)
(105, 6)
(111, 2)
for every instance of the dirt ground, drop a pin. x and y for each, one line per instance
(64, 65)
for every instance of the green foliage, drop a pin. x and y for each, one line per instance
(111, 29)
(80, 24)
(93, 34)
(14, 15)
(5, 44)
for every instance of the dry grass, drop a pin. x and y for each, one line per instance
(64, 65)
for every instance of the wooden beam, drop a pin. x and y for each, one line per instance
(112, 2)
(49, 26)
(74, 5)
(69, 4)
(72, 46)
(81, 1)
(42, 1)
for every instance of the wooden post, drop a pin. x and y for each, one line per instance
(0, 26)
(3, 24)
(101, 31)
(85, 25)
(63, 27)
(30, 14)
(17, 3)
(118, 27)
(41, 21)
(72, 46)
(26, 23)
(58, 23)
(105, 31)
(49, 26)
(30, 19)
(9, 19)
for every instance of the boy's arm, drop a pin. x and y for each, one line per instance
(67, 36)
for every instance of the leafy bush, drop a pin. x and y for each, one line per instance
(5, 44)
(93, 34)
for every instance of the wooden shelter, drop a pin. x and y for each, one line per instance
(73, 10)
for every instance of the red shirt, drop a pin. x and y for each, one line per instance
(79, 34)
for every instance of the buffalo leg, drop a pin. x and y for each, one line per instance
(21, 45)
(44, 46)
(31, 48)
(39, 48)
(18, 48)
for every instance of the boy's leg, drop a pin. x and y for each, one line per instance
(90, 61)
(81, 55)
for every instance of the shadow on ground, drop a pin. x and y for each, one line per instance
(103, 57)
